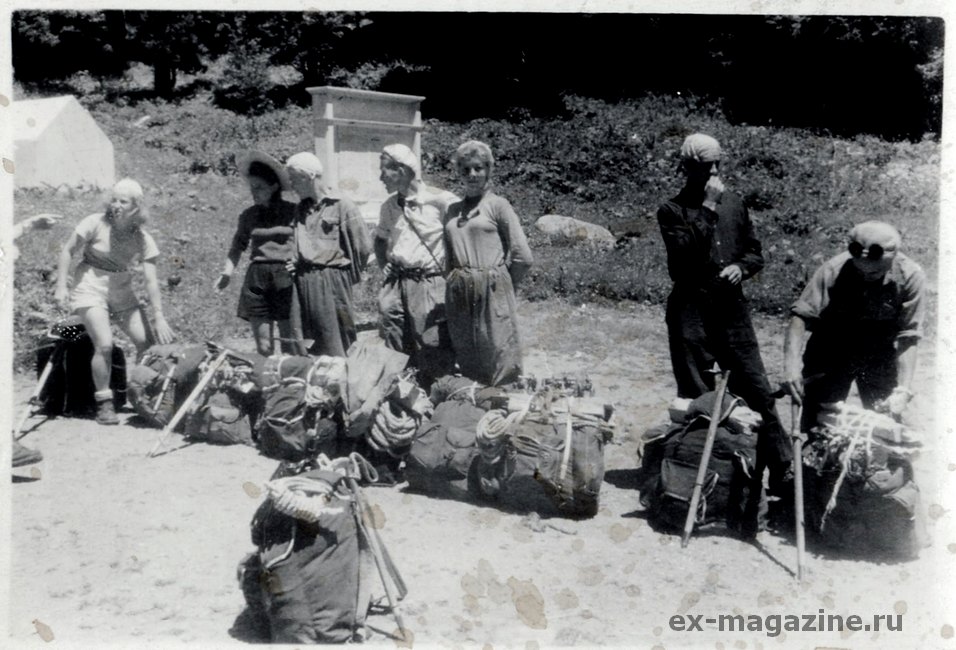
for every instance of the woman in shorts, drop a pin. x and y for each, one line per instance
(487, 256)
(266, 229)
(112, 244)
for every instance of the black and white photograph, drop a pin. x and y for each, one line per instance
(477, 325)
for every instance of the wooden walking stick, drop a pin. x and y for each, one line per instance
(193, 396)
(796, 432)
(705, 459)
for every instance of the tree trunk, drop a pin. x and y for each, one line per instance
(164, 78)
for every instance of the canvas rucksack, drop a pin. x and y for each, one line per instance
(221, 419)
(310, 579)
(727, 493)
(302, 417)
(163, 379)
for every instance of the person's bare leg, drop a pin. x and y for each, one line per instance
(262, 333)
(97, 323)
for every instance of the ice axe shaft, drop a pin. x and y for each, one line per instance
(705, 459)
(193, 396)
(41, 384)
(796, 416)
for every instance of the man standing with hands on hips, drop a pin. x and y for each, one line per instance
(711, 250)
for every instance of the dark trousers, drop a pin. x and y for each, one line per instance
(705, 328)
(829, 368)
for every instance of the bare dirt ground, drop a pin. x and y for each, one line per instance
(109, 546)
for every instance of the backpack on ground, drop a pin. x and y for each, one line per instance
(221, 419)
(552, 462)
(444, 449)
(731, 492)
(860, 494)
(69, 388)
(163, 379)
(302, 417)
(310, 579)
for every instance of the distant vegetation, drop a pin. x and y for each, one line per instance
(602, 154)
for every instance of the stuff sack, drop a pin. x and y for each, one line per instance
(877, 508)
(69, 388)
(221, 419)
(310, 579)
(162, 380)
(727, 494)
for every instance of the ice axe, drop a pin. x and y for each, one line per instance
(796, 417)
(193, 396)
(705, 455)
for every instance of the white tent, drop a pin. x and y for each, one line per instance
(57, 142)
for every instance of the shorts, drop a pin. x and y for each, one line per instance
(96, 288)
(266, 292)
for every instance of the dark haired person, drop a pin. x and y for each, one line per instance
(864, 309)
(410, 249)
(711, 250)
(488, 255)
(266, 228)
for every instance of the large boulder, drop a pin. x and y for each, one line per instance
(575, 230)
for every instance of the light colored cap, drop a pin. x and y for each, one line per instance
(128, 187)
(257, 156)
(306, 162)
(404, 156)
(876, 232)
(700, 147)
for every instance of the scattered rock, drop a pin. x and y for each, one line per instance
(571, 229)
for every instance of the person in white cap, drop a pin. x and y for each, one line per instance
(332, 249)
(410, 249)
(266, 229)
(711, 250)
(112, 243)
(864, 309)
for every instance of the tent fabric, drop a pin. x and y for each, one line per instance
(57, 142)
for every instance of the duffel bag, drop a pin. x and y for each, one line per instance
(311, 578)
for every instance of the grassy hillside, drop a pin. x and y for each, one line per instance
(609, 164)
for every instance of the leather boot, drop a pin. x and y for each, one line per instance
(105, 413)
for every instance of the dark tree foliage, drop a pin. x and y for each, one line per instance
(835, 74)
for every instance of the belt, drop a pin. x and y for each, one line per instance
(404, 273)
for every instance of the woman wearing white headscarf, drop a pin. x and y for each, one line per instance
(112, 243)
(487, 256)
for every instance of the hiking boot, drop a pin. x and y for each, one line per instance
(24, 455)
(105, 413)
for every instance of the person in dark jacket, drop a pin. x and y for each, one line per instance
(711, 250)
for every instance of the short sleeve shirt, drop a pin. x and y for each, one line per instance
(112, 250)
(836, 300)
(413, 229)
